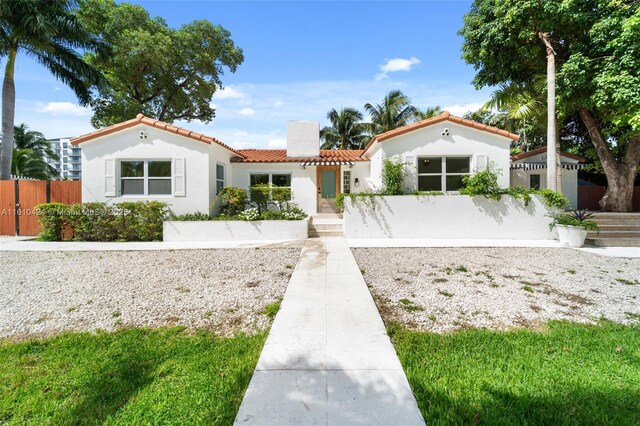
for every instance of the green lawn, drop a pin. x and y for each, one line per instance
(138, 376)
(569, 374)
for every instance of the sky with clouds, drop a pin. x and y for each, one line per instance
(302, 58)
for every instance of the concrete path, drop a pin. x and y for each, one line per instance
(328, 359)
(423, 242)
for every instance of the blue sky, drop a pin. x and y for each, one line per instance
(301, 59)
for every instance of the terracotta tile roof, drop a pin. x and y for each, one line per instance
(445, 116)
(543, 150)
(141, 119)
(280, 156)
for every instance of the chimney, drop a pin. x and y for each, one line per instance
(303, 139)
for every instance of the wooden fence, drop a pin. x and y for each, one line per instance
(18, 199)
(589, 196)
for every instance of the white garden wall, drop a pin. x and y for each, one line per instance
(235, 230)
(446, 217)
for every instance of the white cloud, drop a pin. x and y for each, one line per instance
(277, 143)
(278, 104)
(62, 108)
(395, 65)
(461, 110)
(247, 112)
(228, 93)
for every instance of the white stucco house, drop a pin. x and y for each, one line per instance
(143, 159)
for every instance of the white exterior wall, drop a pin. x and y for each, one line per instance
(303, 181)
(447, 217)
(159, 145)
(429, 141)
(520, 177)
(236, 230)
(360, 171)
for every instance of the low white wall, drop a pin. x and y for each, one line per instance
(446, 217)
(234, 230)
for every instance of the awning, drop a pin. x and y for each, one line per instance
(327, 163)
(537, 166)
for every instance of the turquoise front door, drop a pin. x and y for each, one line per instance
(328, 184)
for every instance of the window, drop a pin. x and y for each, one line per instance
(219, 178)
(138, 177)
(442, 173)
(280, 180)
(534, 181)
(346, 181)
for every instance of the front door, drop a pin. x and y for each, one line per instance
(328, 184)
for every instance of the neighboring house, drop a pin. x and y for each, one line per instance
(146, 159)
(69, 164)
(529, 170)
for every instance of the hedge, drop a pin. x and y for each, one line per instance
(126, 221)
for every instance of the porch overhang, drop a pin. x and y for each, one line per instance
(538, 166)
(304, 164)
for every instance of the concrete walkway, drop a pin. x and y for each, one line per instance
(328, 359)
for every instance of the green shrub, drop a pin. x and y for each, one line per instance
(393, 177)
(126, 221)
(234, 200)
(554, 199)
(579, 218)
(192, 217)
(482, 183)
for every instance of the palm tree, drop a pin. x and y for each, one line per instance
(427, 113)
(554, 166)
(47, 31)
(28, 163)
(347, 131)
(36, 142)
(394, 111)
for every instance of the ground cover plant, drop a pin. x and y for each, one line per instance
(567, 374)
(133, 376)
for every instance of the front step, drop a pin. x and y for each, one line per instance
(325, 225)
(616, 230)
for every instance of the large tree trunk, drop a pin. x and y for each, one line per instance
(559, 183)
(621, 176)
(8, 114)
(552, 168)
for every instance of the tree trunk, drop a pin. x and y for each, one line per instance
(620, 175)
(552, 168)
(559, 183)
(8, 114)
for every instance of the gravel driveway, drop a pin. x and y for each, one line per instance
(224, 290)
(444, 289)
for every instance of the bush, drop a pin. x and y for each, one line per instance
(126, 221)
(554, 199)
(482, 183)
(392, 177)
(192, 217)
(234, 200)
(579, 218)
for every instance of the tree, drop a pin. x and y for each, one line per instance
(394, 111)
(31, 140)
(48, 32)
(427, 113)
(347, 131)
(165, 73)
(28, 163)
(598, 69)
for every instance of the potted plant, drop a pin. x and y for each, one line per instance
(573, 227)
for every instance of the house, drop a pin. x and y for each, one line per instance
(144, 158)
(528, 170)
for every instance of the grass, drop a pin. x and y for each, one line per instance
(410, 306)
(568, 374)
(134, 376)
(627, 282)
(272, 309)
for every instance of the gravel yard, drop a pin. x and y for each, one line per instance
(444, 289)
(42, 293)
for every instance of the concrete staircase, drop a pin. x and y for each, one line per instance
(616, 230)
(326, 225)
(327, 206)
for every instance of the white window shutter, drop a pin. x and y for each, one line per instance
(179, 183)
(410, 173)
(110, 177)
(482, 163)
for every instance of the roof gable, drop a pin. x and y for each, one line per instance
(142, 119)
(445, 116)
